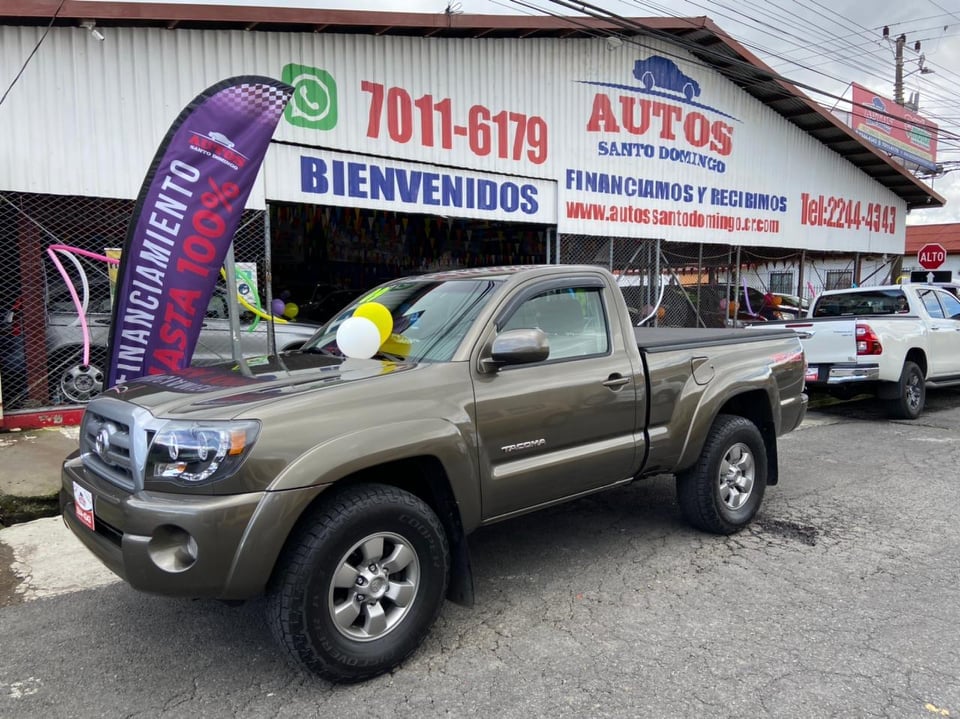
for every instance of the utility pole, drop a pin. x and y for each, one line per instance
(898, 78)
(898, 55)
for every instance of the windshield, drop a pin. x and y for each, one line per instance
(430, 318)
(876, 302)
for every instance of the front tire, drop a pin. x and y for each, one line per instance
(359, 585)
(911, 393)
(722, 492)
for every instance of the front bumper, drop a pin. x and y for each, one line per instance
(184, 545)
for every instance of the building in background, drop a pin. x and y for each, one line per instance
(417, 142)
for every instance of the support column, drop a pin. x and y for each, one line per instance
(34, 311)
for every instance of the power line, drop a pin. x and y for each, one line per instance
(32, 53)
(938, 6)
(599, 13)
(929, 95)
(629, 25)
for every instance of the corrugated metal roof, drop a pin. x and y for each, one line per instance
(701, 36)
(947, 235)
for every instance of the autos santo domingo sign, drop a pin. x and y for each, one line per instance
(931, 256)
(636, 141)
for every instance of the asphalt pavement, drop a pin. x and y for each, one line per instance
(840, 600)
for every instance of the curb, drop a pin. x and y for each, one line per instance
(16, 510)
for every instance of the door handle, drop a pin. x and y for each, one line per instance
(616, 381)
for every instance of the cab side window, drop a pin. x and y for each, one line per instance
(951, 305)
(931, 303)
(573, 320)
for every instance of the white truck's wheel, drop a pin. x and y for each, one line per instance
(911, 393)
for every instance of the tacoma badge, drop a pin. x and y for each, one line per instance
(523, 445)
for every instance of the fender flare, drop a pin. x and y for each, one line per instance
(346, 454)
(295, 489)
(710, 405)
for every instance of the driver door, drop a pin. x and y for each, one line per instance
(560, 427)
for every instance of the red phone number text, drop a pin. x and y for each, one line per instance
(821, 211)
(511, 135)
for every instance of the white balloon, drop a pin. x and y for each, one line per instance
(358, 337)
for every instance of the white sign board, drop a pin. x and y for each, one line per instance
(640, 141)
(323, 177)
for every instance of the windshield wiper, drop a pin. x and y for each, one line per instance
(319, 351)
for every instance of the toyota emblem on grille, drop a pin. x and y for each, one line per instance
(102, 445)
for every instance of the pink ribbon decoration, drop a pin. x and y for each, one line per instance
(52, 251)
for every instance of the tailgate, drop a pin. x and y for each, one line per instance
(827, 340)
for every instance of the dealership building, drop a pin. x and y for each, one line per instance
(415, 142)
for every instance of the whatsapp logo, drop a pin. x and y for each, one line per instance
(314, 101)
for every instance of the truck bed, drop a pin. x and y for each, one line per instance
(664, 339)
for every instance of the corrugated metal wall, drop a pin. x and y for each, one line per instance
(87, 117)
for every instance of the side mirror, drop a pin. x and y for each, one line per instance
(513, 347)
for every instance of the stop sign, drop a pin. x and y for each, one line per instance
(931, 256)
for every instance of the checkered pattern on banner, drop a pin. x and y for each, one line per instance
(41, 336)
(259, 102)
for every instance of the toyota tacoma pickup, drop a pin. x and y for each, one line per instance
(344, 489)
(893, 341)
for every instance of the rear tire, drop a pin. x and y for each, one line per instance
(911, 393)
(361, 582)
(722, 492)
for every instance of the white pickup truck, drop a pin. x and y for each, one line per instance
(894, 341)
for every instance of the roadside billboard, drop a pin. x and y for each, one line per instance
(893, 128)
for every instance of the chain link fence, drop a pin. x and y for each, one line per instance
(47, 357)
(673, 284)
(48, 360)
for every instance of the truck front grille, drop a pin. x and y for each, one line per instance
(112, 444)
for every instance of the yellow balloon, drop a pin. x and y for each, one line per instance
(290, 310)
(379, 315)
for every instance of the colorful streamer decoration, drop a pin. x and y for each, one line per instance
(255, 309)
(81, 305)
(746, 298)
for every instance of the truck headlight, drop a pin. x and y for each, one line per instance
(195, 452)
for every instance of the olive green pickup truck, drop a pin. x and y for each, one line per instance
(344, 489)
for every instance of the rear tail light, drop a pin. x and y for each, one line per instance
(867, 341)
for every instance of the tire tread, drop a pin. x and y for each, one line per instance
(897, 407)
(695, 497)
(293, 570)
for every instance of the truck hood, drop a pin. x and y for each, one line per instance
(222, 391)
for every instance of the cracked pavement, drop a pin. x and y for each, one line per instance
(840, 600)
